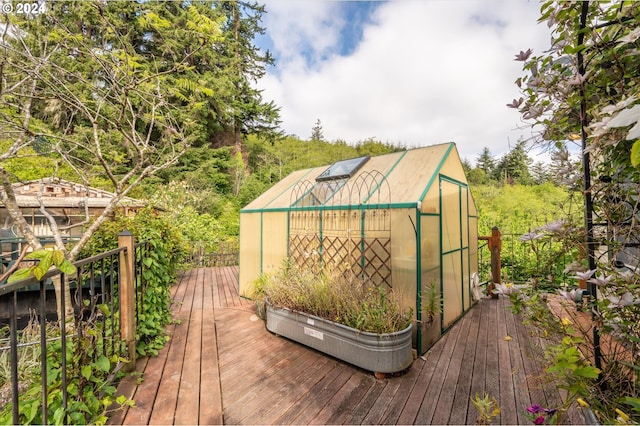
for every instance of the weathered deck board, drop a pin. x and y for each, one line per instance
(222, 366)
(508, 407)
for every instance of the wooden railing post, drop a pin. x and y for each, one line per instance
(127, 297)
(495, 246)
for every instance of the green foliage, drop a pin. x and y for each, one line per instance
(161, 257)
(487, 408)
(432, 303)
(316, 131)
(519, 208)
(89, 365)
(335, 294)
(46, 258)
(514, 166)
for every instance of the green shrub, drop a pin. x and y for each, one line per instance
(161, 257)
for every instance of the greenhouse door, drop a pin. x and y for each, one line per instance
(454, 225)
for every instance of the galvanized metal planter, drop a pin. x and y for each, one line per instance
(379, 353)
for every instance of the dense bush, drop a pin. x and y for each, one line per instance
(164, 250)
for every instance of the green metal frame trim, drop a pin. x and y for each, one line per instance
(261, 241)
(386, 175)
(442, 327)
(436, 172)
(320, 236)
(418, 280)
(288, 234)
(452, 180)
(411, 205)
(454, 251)
(461, 241)
(469, 198)
(362, 236)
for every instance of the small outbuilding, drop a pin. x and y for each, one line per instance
(406, 220)
(70, 203)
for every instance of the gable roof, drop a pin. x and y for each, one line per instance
(62, 193)
(407, 175)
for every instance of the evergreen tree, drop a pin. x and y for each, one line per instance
(316, 131)
(540, 173)
(486, 162)
(514, 166)
(242, 64)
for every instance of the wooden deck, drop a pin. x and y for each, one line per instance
(222, 366)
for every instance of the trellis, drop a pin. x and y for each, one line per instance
(352, 229)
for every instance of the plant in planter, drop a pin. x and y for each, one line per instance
(337, 312)
(432, 304)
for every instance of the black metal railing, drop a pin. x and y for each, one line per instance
(94, 319)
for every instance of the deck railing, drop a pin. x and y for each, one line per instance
(515, 257)
(206, 254)
(105, 291)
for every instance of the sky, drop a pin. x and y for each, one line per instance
(407, 72)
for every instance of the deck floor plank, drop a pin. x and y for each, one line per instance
(358, 386)
(188, 404)
(443, 409)
(164, 406)
(437, 383)
(399, 401)
(360, 411)
(426, 364)
(507, 402)
(211, 392)
(460, 404)
(221, 366)
(376, 413)
(276, 392)
(519, 379)
(480, 361)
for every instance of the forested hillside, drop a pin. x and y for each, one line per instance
(211, 186)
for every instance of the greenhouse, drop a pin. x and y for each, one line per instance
(405, 220)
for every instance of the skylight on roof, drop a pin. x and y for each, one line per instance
(343, 169)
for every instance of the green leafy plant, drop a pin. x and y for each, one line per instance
(90, 363)
(46, 259)
(432, 303)
(487, 408)
(160, 257)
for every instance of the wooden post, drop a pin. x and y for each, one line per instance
(127, 297)
(495, 246)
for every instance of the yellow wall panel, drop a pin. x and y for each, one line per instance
(274, 240)
(452, 287)
(249, 251)
(403, 256)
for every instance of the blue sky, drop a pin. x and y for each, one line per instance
(409, 72)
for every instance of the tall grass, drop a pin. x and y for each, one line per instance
(29, 358)
(335, 294)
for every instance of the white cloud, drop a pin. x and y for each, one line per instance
(425, 72)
